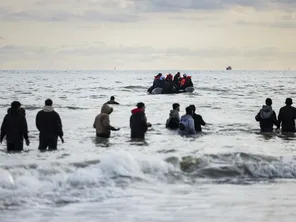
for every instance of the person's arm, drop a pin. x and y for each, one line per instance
(25, 131)
(202, 122)
(191, 126)
(38, 121)
(106, 122)
(257, 117)
(274, 120)
(280, 117)
(3, 129)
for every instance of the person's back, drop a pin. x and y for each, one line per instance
(102, 122)
(49, 124)
(168, 87)
(198, 120)
(138, 122)
(112, 101)
(14, 127)
(174, 118)
(287, 116)
(186, 126)
(267, 117)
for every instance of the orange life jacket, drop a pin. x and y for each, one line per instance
(183, 81)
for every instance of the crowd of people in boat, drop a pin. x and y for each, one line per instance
(170, 84)
(48, 122)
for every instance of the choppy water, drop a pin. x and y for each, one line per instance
(230, 172)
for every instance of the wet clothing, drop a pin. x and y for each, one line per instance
(102, 122)
(112, 102)
(267, 119)
(287, 116)
(174, 120)
(49, 124)
(198, 122)
(14, 127)
(138, 123)
(186, 126)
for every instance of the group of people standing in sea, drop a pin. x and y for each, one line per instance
(286, 118)
(170, 84)
(48, 122)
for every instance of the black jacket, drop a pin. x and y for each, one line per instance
(198, 122)
(49, 123)
(14, 127)
(138, 123)
(267, 119)
(287, 116)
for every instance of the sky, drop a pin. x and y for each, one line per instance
(148, 34)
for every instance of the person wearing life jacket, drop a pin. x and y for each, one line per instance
(188, 82)
(168, 85)
(183, 81)
(155, 82)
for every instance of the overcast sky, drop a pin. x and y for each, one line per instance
(148, 34)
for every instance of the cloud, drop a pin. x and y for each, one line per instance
(120, 10)
(272, 24)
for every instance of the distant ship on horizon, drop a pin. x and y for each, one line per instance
(228, 68)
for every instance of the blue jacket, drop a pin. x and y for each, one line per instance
(188, 122)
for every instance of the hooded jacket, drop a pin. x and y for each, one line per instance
(49, 123)
(15, 128)
(174, 119)
(102, 121)
(138, 123)
(188, 123)
(267, 118)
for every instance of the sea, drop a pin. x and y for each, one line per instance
(230, 172)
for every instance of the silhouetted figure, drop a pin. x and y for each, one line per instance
(102, 122)
(112, 101)
(49, 124)
(186, 126)
(267, 117)
(198, 120)
(287, 116)
(14, 128)
(174, 119)
(138, 122)
(155, 82)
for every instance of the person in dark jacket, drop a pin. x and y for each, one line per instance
(174, 119)
(155, 82)
(287, 116)
(198, 120)
(112, 101)
(267, 117)
(49, 124)
(14, 127)
(138, 122)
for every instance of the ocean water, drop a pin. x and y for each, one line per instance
(228, 173)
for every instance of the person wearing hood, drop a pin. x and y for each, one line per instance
(267, 117)
(287, 116)
(102, 122)
(14, 127)
(174, 119)
(49, 124)
(138, 122)
(186, 126)
(198, 120)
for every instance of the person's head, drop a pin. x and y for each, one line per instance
(141, 105)
(23, 111)
(106, 109)
(15, 106)
(184, 75)
(193, 108)
(112, 98)
(176, 106)
(48, 102)
(189, 110)
(289, 101)
(268, 102)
